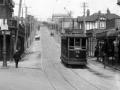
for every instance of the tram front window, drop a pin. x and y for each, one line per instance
(77, 42)
(83, 43)
(71, 43)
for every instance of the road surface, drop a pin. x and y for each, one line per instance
(41, 69)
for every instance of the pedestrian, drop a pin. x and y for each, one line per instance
(96, 53)
(119, 52)
(16, 57)
(104, 53)
(116, 51)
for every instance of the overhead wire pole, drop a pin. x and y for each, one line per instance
(19, 13)
(84, 12)
(25, 37)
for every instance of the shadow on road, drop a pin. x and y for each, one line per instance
(74, 66)
(98, 73)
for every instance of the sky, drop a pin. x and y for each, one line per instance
(43, 9)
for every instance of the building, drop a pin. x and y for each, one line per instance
(6, 11)
(118, 2)
(98, 23)
(6, 8)
(60, 20)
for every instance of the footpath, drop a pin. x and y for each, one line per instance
(94, 61)
(26, 58)
(28, 75)
(11, 64)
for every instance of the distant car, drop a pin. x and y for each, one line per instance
(52, 34)
(37, 37)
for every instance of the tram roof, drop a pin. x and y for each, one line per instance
(74, 35)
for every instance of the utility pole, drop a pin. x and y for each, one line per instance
(84, 12)
(26, 10)
(4, 29)
(22, 12)
(4, 47)
(19, 13)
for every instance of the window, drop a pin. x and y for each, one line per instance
(71, 41)
(1, 1)
(77, 42)
(83, 43)
(102, 23)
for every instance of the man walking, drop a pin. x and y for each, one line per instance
(16, 57)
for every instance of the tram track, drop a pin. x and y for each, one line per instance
(69, 82)
(60, 73)
(51, 84)
(89, 82)
(86, 80)
(65, 78)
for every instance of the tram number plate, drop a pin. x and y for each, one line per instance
(77, 55)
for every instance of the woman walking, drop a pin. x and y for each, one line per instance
(16, 57)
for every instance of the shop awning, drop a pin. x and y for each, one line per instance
(108, 34)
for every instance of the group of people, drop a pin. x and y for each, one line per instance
(108, 49)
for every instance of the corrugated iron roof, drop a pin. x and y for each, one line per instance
(96, 16)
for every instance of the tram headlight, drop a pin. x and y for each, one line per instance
(77, 51)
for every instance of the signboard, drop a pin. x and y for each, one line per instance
(3, 24)
(6, 32)
(67, 25)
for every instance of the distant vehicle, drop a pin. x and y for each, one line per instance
(74, 49)
(37, 37)
(52, 34)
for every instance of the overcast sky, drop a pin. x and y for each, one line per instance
(45, 8)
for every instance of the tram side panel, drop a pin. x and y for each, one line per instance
(64, 48)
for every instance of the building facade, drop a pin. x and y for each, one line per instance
(6, 11)
(98, 23)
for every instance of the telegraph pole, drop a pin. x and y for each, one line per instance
(19, 13)
(4, 29)
(4, 47)
(84, 12)
(26, 10)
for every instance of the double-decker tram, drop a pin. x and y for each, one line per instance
(74, 49)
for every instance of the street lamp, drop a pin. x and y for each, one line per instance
(4, 29)
(4, 49)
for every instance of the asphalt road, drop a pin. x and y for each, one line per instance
(41, 69)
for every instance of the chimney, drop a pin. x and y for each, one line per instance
(108, 11)
(88, 12)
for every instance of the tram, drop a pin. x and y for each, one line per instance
(74, 49)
